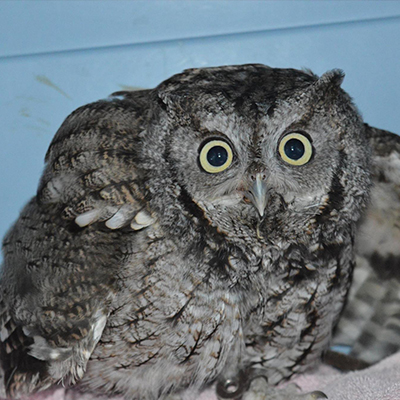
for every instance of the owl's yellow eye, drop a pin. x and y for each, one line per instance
(216, 156)
(295, 149)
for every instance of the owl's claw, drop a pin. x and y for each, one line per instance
(316, 395)
(116, 218)
(246, 385)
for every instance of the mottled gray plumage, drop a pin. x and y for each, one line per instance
(135, 271)
(371, 321)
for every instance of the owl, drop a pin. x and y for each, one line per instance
(189, 234)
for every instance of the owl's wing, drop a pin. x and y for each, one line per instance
(92, 164)
(371, 319)
(60, 266)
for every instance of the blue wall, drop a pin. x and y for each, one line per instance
(56, 56)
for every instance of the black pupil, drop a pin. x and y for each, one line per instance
(294, 149)
(217, 156)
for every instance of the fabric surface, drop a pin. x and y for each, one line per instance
(379, 382)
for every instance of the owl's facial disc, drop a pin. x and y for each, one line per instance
(258, 192)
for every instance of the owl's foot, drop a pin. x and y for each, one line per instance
(260, 390)
(116, 217)
(253, 385)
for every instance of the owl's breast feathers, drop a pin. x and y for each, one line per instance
(276, 298)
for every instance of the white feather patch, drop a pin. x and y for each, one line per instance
(4, 334)
(98, 327)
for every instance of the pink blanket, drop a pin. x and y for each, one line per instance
(379, 382)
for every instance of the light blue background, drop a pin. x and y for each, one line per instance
(56, 56)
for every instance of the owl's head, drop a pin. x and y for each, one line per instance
(255, 144)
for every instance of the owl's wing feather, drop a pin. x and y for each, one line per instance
(57, 285)
(379, 234)
(371, 320)
(58, 278)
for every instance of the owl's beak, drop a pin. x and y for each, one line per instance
(258, 192)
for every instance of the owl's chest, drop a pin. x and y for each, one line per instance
(204, 311)
(262, 285)
(299, 298)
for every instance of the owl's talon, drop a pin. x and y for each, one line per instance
(260, 390)
(87, 218)
(317, 394)
(121, 218)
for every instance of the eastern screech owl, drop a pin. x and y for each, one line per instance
(185, 233)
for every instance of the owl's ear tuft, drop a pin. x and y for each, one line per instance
(327, 86)
(331, 79)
